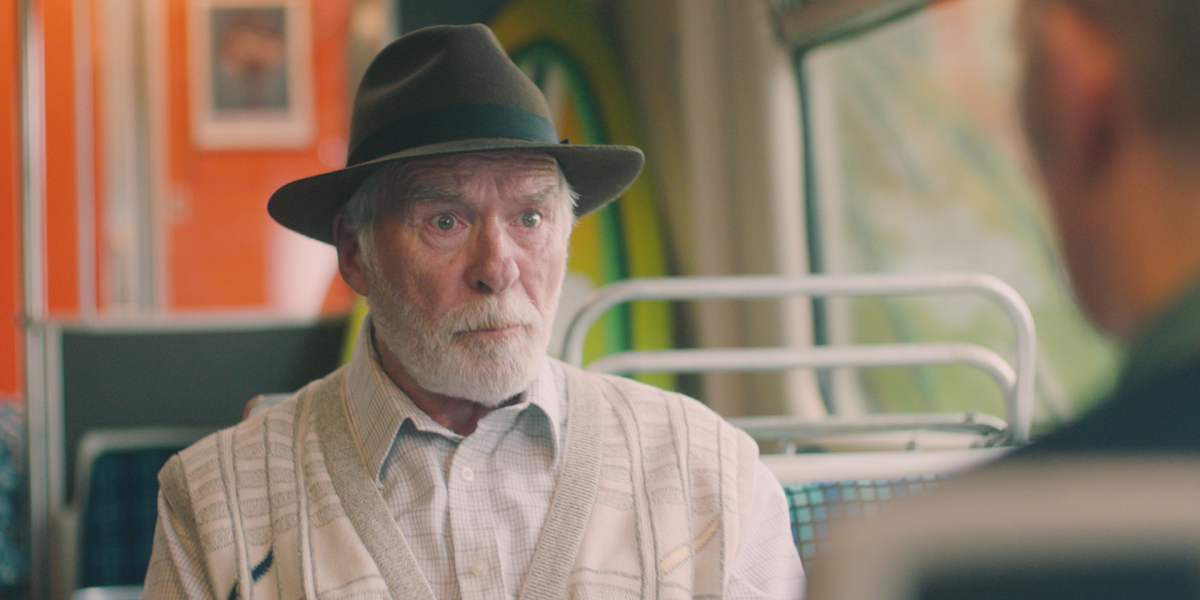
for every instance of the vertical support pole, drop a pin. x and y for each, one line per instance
(37, 460)
(812, 220)
(33, 255)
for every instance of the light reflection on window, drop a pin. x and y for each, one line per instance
(920, 167)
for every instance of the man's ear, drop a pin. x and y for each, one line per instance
(1082, 90)
(349, 255)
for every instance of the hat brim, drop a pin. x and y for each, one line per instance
(597, 173)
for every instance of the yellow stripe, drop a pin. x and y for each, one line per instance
(708, 534)
(679, 554)
(673, 559)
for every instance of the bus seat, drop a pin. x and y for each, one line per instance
(13, 559)
(107, 530)
(828, 492)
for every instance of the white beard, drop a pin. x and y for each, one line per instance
(443, 358)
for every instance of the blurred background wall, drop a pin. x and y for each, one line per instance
(139, 215)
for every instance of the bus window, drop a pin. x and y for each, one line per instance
(916, 164)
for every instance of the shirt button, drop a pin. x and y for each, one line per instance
(468, 475)
(479, 569)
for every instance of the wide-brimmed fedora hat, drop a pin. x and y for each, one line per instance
(447, 90)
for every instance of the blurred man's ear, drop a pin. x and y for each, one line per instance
(1081, 94)
(349, 255)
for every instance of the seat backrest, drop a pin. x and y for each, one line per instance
(827, 493)
(179, 371)
(117, 530)
(13, 517)
(821, 510)
(117, 500)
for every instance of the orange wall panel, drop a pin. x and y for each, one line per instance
(62, 225)
(218, 241)
(11, 347)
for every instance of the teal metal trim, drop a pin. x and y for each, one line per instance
(806, 24)
(812, 230)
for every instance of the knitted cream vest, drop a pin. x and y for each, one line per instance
(649, 504)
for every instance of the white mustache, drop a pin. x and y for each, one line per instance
(489, 313)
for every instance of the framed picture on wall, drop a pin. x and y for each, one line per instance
(250, 67)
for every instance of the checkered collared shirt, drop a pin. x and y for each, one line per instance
(472, 507)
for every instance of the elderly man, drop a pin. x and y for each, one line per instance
(1112, 108)
(451, 458)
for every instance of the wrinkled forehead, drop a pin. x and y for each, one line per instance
(516, 171)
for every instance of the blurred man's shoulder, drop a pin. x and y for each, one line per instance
(1154, 415)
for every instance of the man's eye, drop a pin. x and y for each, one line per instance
(445, 222)
(531, 219)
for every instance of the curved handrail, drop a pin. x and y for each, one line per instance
(1018, 398)
(778, 359)
(791, 428)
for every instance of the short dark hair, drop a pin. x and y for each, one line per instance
(1159, 41)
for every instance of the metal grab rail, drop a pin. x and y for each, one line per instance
(1016, 381)
(790, 428)
(775, 359)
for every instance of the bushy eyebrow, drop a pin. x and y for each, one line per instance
(431, 193)
(541, 196)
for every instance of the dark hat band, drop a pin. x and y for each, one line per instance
(448, 123)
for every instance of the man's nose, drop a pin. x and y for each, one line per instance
(493, 265)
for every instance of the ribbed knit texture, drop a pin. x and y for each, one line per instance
(649, 503)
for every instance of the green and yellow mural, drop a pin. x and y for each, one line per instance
(563, 47)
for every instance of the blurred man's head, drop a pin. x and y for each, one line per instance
(1112, 109)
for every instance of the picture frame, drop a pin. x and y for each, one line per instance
(250, 67)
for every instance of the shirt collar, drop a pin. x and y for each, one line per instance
(378, 408)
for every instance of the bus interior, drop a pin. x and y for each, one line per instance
(837, 242)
